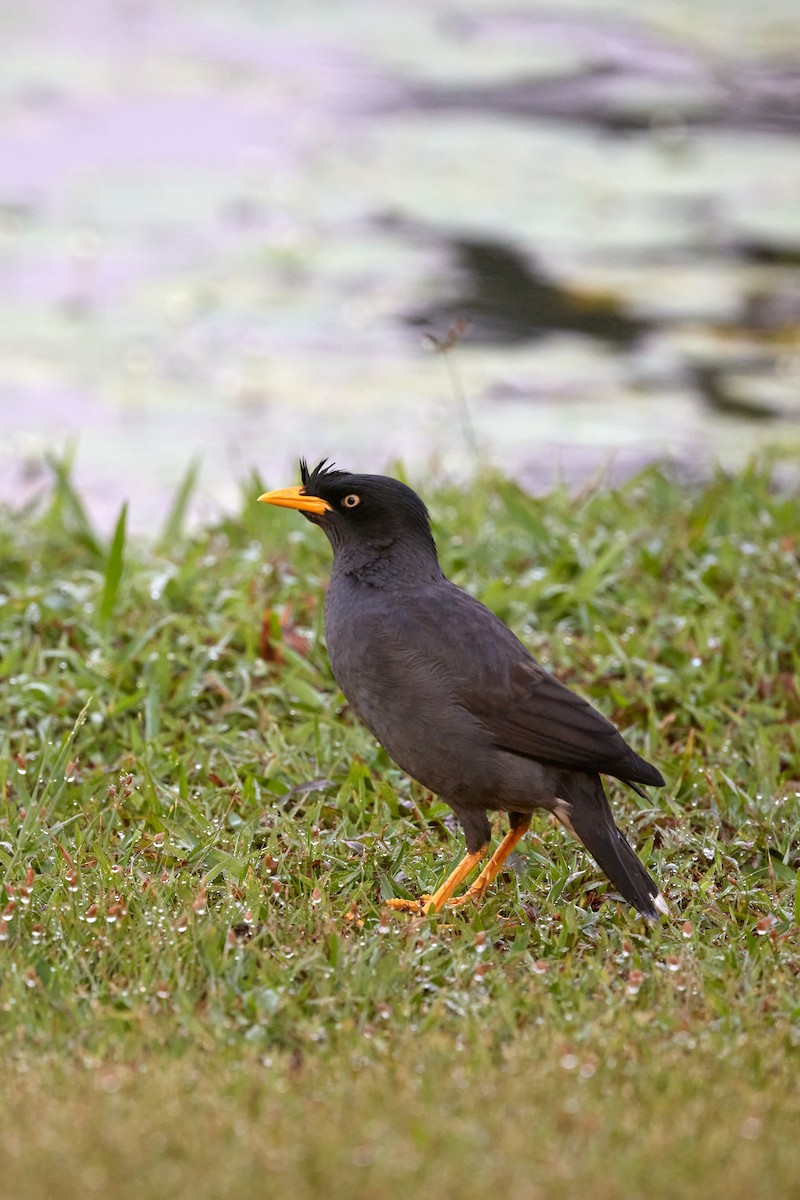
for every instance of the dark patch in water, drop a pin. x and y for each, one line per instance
(627, 78)
(508, 300)
(767, 254)
(763, 100)
(716, 389)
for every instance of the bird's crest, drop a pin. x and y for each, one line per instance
(322, 473)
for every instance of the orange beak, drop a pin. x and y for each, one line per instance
(295, 497)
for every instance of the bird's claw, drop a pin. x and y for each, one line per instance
(426, 904)
(416, 908)
(471, 894)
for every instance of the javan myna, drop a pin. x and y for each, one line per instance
(453, 696)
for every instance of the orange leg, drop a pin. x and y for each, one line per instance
(444, 895)
(495, 864)
(441, 896)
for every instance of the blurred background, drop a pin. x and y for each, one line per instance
(555, 237)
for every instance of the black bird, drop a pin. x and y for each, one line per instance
(453, 696)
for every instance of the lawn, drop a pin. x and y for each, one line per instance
(201, 992)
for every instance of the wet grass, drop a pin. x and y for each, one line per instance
(200, 990)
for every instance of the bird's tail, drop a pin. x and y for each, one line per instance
(583, 808)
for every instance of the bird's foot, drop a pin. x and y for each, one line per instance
(427, 904)
(433, 904)
(473, 893)
(493, 867)
(444, 897)
(416, 908)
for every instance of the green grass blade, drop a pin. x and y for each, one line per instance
(176, 517)
(113, 568)
(67, 508)
(41, 807)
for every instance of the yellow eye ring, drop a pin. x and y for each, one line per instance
(351, 501)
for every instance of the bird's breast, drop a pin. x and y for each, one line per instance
(408, 699)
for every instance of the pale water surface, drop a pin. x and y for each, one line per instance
(229, 232)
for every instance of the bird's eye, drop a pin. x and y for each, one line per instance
(351, 501)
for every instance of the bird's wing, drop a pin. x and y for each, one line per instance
(534, 714)
(525, 709)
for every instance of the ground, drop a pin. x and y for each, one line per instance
(202, 992)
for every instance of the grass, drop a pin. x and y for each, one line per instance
(200, 990)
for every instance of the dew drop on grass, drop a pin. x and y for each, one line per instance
(635, 980)
(750, 1128)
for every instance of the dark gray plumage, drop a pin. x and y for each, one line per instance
(450, 692)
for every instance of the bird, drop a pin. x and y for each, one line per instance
(454, 697)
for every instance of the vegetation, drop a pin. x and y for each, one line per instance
(200, 991)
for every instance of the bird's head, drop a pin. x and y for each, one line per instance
(360, 514)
